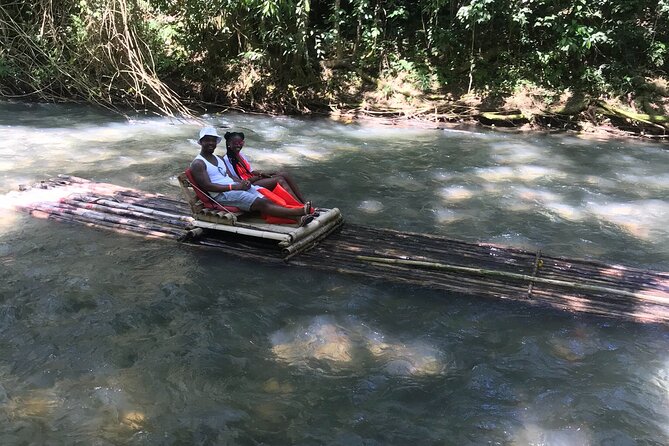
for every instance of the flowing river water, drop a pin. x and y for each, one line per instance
(108, 339)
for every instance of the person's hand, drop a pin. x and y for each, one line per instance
(246, 185)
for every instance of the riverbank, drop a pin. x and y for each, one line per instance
(640, 115)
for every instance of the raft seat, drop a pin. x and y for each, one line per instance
(203, 206)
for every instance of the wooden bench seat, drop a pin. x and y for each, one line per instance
(222, 216)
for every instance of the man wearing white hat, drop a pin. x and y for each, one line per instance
(211, 175)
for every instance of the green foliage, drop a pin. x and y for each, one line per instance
(658, 53)
(6, 69)
(250, 49)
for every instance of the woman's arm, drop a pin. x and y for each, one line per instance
(262, 174)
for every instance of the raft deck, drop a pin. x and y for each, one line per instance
(479, 269)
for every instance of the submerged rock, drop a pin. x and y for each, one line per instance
(371, 206)
(341, 344)
(134, 420)
(322, 340)
(416, 359)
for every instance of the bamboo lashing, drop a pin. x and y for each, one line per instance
(537, 264)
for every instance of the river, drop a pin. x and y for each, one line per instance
(108, 339)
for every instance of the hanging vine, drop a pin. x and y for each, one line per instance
(90, 51)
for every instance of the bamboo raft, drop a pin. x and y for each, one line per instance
(479, 269)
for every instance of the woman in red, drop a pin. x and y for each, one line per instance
(238, 165)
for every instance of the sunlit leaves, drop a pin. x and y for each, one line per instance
(269, 8)
(478, 11)
(658, 53)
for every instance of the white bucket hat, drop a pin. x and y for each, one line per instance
(209, 131)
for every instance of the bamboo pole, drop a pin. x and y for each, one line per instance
(154, 203)
(140, 209)
(343, 243)
(94, 216)
(243, 231)
(118, 228)
(125, 212)
(415, 275)
(456, 284)
(562, 268)
(627, 309)
(518, 257)
(316, 225)
(502, 275)
(640, 282)
(308, 241)
(485, 272)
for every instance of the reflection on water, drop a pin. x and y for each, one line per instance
(118, 340)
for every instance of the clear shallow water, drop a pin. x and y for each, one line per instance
(117, 340)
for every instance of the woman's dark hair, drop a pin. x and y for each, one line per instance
(230, 135)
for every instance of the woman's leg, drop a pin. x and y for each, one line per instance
(288, 178)
(286, 181)
(265, 206)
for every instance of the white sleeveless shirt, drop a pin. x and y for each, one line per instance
(217, 174)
